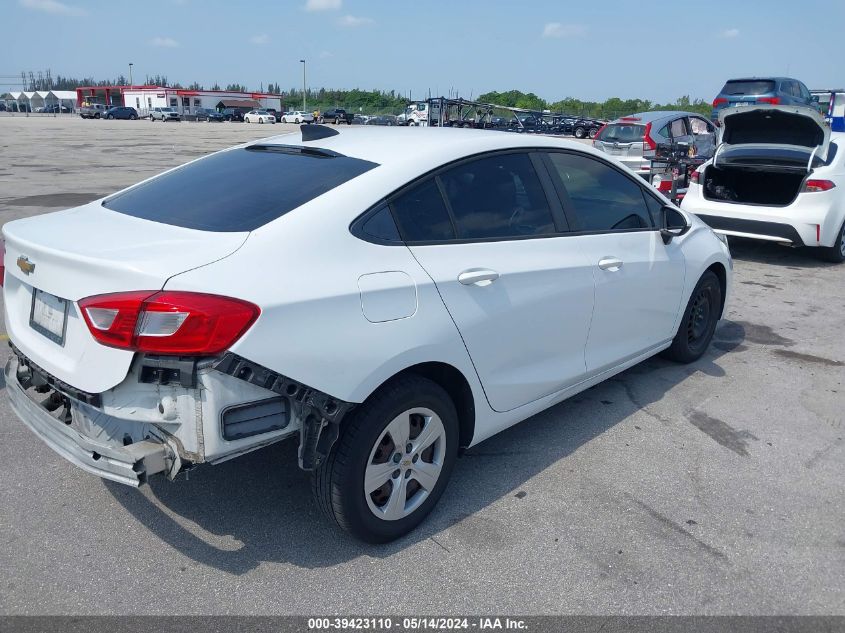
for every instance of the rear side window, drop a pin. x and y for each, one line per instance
(422, 214)
(239, 189)
(603, 199)
(498, 196)
(619, 133)
(753, 87)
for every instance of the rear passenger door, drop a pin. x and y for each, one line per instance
(488, 232)
(639, 280)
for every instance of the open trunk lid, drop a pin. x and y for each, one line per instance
(60, 258)
(772, 137)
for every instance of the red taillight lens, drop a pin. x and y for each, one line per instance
(818, 185)
(694, 177)
(648, 142)
(2, 262)
(772, 100)
(597, 137)
(168, 322)
(719, 101)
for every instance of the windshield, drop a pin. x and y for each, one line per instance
(221, 193)
(167, 110)
(754, 87)
(619, 133)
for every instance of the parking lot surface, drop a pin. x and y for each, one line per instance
(713, 488)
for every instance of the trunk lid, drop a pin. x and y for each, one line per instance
(772, 137)
(88, 251)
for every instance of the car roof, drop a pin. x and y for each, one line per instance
(654, 116)
(763, 79)
(420, 149)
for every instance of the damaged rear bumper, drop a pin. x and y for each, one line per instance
(106, 458)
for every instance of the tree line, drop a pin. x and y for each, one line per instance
(371, 101)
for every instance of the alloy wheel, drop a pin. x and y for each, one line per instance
(405, 464)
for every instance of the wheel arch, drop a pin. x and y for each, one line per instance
(453, 381)
(722, 274)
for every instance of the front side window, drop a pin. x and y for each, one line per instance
(603, 199)
(497, 197)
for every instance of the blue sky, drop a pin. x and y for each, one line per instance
(589, 50)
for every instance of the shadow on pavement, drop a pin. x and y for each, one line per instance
(262, 500)
(773, 254)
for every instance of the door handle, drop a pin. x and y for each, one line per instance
(478, 276)
(610, 263)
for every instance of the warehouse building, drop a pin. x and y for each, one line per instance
(184, 101)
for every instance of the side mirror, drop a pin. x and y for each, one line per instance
(672, 224)
(814, 98)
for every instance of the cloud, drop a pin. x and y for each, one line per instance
(322, 5)
(729, 33)
(164, 42)
(51, 6)
(558, 30)
(351, 21)
(260, 39)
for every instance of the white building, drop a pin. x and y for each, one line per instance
(145, 98)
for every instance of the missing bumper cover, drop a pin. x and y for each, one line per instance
(320, 413)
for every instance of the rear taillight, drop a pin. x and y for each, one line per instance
(648, 142)
(168, 322)
(817, 185)
(771, 100)
(719, 101)
(597, 137)
(2, 262)
(694, 177)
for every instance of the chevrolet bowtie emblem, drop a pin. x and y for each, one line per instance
(25, 265)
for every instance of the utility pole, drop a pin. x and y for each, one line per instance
(130, 74)
(303, 85)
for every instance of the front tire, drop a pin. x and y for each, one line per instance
(392, 461)
(835, 254)
(580, 132)
(699, 321)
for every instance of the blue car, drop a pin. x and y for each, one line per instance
(121, 112)
(754, 90)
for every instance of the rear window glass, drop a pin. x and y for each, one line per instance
(238, 190)
(756, 87)
(619, 133)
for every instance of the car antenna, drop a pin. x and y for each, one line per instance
(316, 132)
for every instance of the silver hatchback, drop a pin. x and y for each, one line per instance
(632, 139)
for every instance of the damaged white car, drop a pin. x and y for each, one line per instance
(778, 174)
(386, 302)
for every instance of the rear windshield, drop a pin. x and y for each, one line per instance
(622, 133)
(756, 87)
(239, 189)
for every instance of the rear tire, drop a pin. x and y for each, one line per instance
(698, 322)
(835, 254)
(580, 132)
(422, 416)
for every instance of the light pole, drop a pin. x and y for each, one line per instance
(130, 74)
(303, 84)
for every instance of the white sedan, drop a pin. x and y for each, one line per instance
(777, 175)
(385, 303)
(297, 116)
(259, 116)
